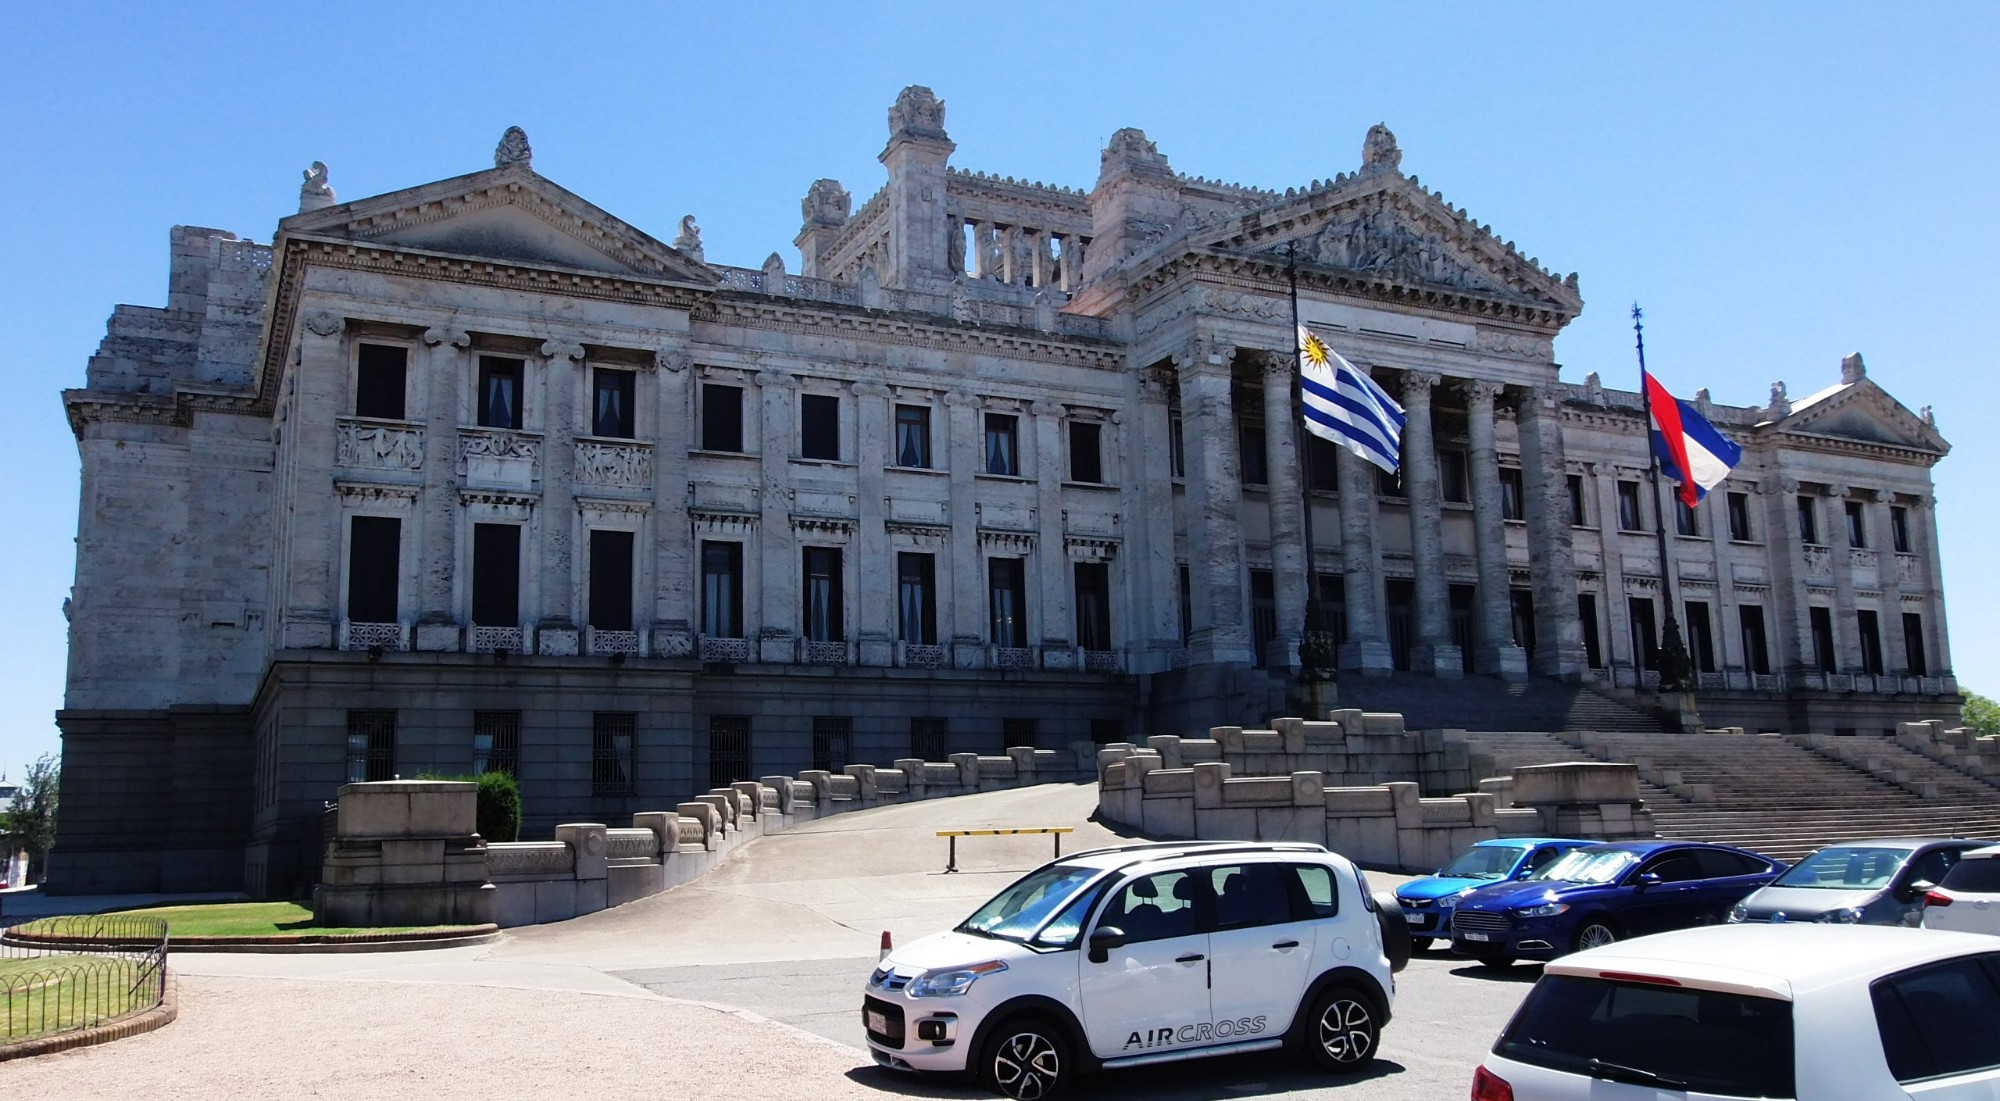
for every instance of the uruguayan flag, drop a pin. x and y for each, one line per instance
(1345, 406)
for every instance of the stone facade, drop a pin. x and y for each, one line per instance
(476, 469)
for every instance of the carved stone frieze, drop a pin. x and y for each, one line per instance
(1516, 345)
(496, 443)
(378, 446)
(325, 322)
(620, 465)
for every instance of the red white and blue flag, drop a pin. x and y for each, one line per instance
(1689, 448)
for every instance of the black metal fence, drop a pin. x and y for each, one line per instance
(64, 973)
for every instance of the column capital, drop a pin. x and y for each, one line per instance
(1276, 365)
(1480, 391)
(672, 359)
(1201, 355)
(457, 338)
(960, 399)
(1417, 385)
(870, 389)
(560, 348)
(1042, 407)
(771, 378)
(1155, 383)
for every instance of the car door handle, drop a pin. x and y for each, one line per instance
(1286, 944)
(1196, 957)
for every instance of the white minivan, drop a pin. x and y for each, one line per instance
(1144, 954)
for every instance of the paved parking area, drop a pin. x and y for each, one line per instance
(749, 977)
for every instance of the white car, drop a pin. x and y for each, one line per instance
(1144, 954)
(1853, 1012)
(1967, 899)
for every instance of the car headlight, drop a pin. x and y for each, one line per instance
(1848, 916)
(1546, 909)
(1739, 912)
(957, 980)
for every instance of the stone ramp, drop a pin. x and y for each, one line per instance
(1488, 703)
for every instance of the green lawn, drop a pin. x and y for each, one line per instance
(246, 919)
(50, 994)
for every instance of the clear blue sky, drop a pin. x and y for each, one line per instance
(1778, 184)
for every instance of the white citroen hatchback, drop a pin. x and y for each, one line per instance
(1145, 954)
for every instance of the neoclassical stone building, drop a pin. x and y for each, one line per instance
(476, 474)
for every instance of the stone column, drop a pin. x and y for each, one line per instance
(1055, 580)
(962, 619)
(674, 552)
(1288, 514)
(1154, 579)
(1496, 654)
(1434, 653)
(1846, 631)
(440, 364)
(1367, 648)
(777, 547)
(1889, 608)
(555, 628)
(1618, 647)
(1790, 627)
(312, 552)
(1923, 527)
(875, 594)
(1545, 497)
(1214, 504)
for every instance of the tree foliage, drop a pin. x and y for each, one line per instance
(31, 817)
(1981, 714)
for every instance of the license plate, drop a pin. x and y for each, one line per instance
(878, 1022)
(1474, 936)
(1414, 919)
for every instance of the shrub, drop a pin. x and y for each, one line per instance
(499, 803)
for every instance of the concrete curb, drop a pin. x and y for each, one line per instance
(303, 943)
(130, 1025)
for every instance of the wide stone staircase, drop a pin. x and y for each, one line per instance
(1488, 703)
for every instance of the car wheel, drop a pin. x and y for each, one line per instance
(1595, 934)
(1028, 1060)
(1341, 1030)
(1421, 944)
(1395, 929)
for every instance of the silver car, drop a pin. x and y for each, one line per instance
(1857, 883)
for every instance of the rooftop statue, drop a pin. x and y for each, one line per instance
(513, 148)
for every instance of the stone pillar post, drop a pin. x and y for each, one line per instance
(962, 619)
(1846, 631)
(1496, 654)
(875, 596)
(555, 627)
(1154, 579)
(1214, 504)
(777, 546)
(1544, 480)
(916, 155)
(1288, 513)
(1367, 647)
(982, 250)
(1055, 579)
(1434, 653)
(311, 565)
(672, 549)
(440, 365)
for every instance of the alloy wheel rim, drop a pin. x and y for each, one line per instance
(1347, 1031)
(1026, 1066)
(1596, 936)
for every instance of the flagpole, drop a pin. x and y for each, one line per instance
(1676, 672)
(1316, 650)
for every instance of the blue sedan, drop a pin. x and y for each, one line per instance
(1606, 892)
(1428, 902)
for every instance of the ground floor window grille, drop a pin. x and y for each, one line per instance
(371, 746)
(833, 742)
(611, 752)
(1106, 731)
(1017, 732)
(728, 749)
(496, 742)
(930, 739)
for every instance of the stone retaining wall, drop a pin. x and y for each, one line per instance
(1351, 748)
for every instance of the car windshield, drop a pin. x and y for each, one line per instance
(1015, 913)
(1586, 866)
(1846, 868)
(1484, 862)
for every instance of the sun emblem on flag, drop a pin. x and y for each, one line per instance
(1314, 349)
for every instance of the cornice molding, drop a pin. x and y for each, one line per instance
(909, 330)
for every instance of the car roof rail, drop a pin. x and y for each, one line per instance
(1205, 848)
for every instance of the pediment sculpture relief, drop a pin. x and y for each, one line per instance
(1375, 240)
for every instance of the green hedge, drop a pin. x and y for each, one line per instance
(499, 813)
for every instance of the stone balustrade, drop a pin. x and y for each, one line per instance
(1961, 748)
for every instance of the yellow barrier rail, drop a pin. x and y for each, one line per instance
(951, 860)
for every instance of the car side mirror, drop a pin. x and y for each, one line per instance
(1648, 879)
(1103, 939)
(1916, 890)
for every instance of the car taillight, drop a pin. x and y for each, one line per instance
(1488, 1086)
(1936, 898)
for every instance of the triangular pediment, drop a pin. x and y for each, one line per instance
(511, 214)
(1386, 227)
(1863, 412)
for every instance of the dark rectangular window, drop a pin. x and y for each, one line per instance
(825, 621)
(930, 739)
(1701, 637)
(819, 427)
(1857, 529)
(1870, 630)
(1322, 465)
(611, 752)
(1739, 517)
(1521, 607)
(833, 742)
(1824, 654)
(913, 436)
(1939, 1020)
(1250, 454)
(1017, 732)
(1645, 633)
(611, 580)
(1333, 606)
(374, 568)
(1176, 449)
(1105, 731)
(1629, 516)
(1263, 612)
(916, 598)
(1006, 601)
(1899, 528)
(1586, 613)
(496, 575)
(1187, 606)
(611, 397)
(1003, 444)
(721, 417)
(1913, 644)
(371, 746)
(496, 742)
(1452, 480)
(380, 373)
(1086, 461)
(722, 589)
(1756, 653)
(1577, 516)
(1510, 493)
(1686, 520)
(1093, 605)
(728, 749)
(1389, 485)
(1808, 521)
(499, 396)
